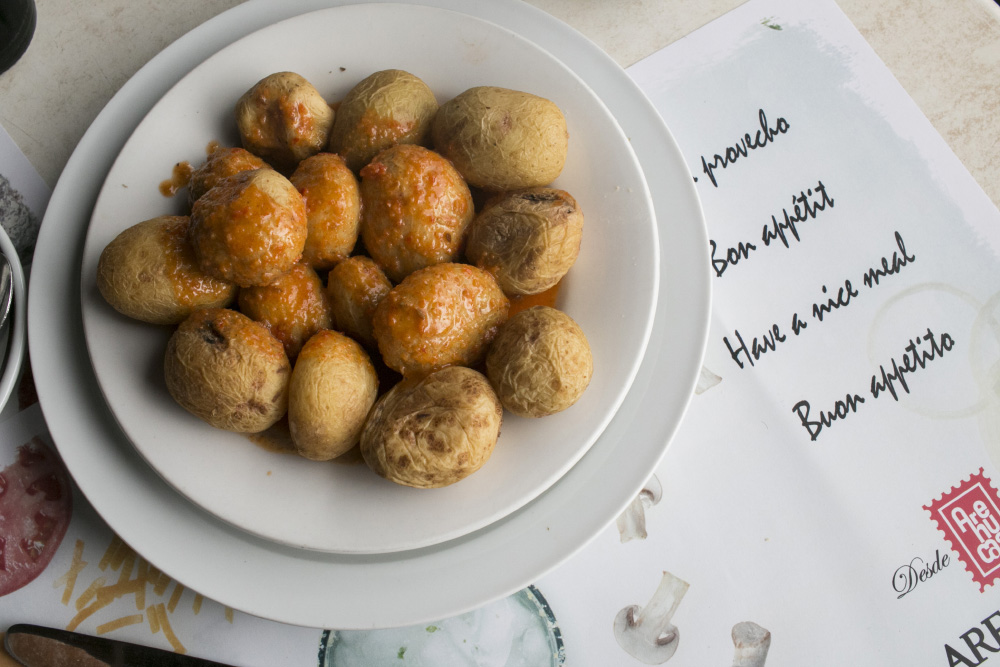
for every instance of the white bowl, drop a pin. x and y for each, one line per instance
(611, 291)
(14, 340)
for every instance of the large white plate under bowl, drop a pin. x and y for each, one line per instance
(610, 291)
(347, 591)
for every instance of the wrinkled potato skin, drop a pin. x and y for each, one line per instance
(540, 362)
(283, 119)
(333, 209)
(527, 239)
(355, 288)
(415, 210)
(293, 307)
(333, 386)
(501, 139)
(387, 108)
(227, 370)
(221, 163)
(149, 273)
(434, 431)
(443, 315)
(250, 228)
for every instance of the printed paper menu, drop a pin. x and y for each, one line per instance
(831, 497)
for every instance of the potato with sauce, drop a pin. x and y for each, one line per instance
(293, 307)
(250, 228)
(227, 370)
(446, 314)
(149, 273)
(415, 210)
(528, 239)
(283, 119)
(355, 287)
(384, 109)
(501, 139)
(332, 388)
(333, 209)
(433, 431)
(540, 362)
(221, 163)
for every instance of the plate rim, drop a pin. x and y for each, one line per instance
(240, 554)
(240, 515)
(16, 339)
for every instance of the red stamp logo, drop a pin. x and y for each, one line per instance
(969, 517)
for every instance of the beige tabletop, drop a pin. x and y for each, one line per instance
(945, 53)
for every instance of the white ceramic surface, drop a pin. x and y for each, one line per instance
(346, 591)
(15, 339)
(610, 292)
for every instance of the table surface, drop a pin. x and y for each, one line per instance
(945, 53)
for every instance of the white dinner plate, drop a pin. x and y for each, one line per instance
(610, 291)
(365, 591)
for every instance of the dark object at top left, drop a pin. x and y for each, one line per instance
(17, 26)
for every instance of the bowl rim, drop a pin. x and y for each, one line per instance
(17, 343)
(131, 406)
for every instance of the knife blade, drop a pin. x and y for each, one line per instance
(38, 646)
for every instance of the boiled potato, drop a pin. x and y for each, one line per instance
(283, 119)
(149, 273)
(293, 307)
(415, 210)
(501, 139)
(355, 287)
(540, 362)
(527, 239)
(221, 163)
(333, 386)
(250, 228)
(433, 431)
(386, 108)
(439, 316)
(227, 370)
(333, 209)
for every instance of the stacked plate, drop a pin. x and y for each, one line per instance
(282, 537)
